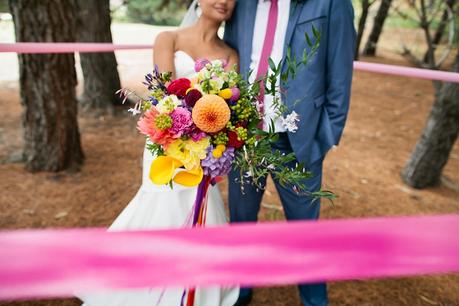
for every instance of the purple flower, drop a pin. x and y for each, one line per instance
(218, 166)
(200, 64)
(153, 100)
(181, 121)
(197, 134)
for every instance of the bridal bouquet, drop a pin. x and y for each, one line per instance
(195, 125)
(200, 127)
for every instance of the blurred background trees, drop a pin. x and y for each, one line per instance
(432, 151)
(365, 10)
(159, 12)
(4, 6)
(378, 24)
(47, 86)
(101, 78)
(438, 20)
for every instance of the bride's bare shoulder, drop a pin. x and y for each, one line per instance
(166, 39)
(233, 53)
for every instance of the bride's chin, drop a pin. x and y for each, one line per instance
(219, 18)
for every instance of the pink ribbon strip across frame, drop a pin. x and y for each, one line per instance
(58, 263)
(38, 48)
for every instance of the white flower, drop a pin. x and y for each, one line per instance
(216, 85)
(204, 74)
(217, 63)
(168, 104)
(134, 111)
(290, 122)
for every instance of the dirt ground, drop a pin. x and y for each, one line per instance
(386, 118)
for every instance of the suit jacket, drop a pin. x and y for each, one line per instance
(323, 86)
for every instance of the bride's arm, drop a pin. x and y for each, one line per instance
(163, 54)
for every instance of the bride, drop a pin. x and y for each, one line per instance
(155, 207)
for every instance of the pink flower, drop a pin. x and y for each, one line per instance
(236, 94)
(147, 126)
(200, 64)
(182, 122)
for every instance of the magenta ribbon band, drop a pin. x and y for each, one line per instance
(434, 75)
(23, 48)
(39, 48)
(58, 263)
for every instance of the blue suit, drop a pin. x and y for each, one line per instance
(323, 89)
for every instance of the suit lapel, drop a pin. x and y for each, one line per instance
(295, 11)
(247, 29)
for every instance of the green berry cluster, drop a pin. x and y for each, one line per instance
(241, 133)
(243, 109)
(146, 105)
(251, 141)
(158, 94)
(220, 139)
(163, 121)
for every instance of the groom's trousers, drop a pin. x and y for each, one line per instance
(244, 207)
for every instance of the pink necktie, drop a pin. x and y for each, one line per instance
(267, 49)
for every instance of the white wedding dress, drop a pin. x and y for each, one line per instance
(159, 207)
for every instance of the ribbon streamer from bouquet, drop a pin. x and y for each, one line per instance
(199, 220)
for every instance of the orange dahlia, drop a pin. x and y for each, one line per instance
(211, 113)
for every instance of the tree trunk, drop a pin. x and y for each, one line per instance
(440, 30)
(437, 140)
(383, 11)
(361, 28)
(47, 81)
(101, 79)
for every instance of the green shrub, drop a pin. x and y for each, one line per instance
(4, 6)
(155, 11)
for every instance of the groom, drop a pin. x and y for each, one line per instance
(260, 29)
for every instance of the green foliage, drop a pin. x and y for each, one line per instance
(4, 6)
(258, 159)
(156, 12)
(456, 22)
(155, 149)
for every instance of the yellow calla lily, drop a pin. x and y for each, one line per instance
(189, 178)
(162, 169)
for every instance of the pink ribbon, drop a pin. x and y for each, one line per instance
(23, 48)
(67, 47)
(427, 74)
(58, 263)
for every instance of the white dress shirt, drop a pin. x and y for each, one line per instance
(261, 23)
